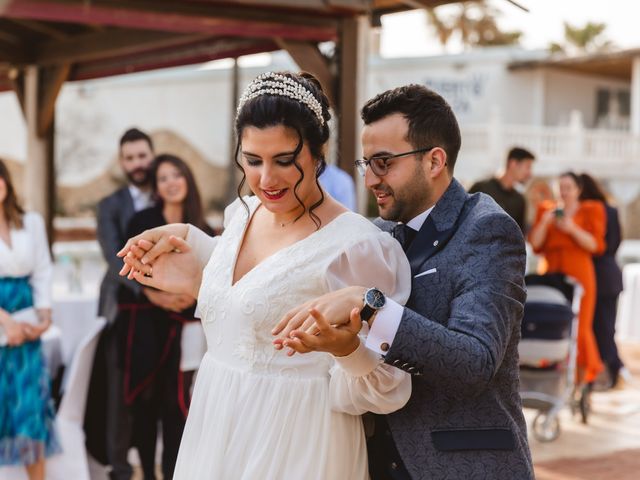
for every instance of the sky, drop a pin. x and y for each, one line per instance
(407, 34)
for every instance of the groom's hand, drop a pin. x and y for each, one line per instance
(150, 244)
(339, 341)
(334, 306)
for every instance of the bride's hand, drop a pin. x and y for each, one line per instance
(339, 341)
(155, 242)
(176, 272)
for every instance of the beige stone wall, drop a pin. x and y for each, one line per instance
(211, 180)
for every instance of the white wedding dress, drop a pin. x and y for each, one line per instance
(257, 413)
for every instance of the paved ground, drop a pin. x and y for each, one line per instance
(608, 447)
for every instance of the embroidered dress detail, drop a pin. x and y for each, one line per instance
(26, 410)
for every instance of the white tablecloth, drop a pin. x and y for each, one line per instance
(75, 316)
(628, 320)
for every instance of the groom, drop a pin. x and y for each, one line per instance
(458, 333)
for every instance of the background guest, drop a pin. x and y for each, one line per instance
(503, 189)
(340, 185)
(107, 423)
(608, 280)
(150, 326)
(27, 434)
(568, 233)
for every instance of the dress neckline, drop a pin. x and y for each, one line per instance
(252, 210)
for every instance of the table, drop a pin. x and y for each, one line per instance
(628, 319)
(75, 315)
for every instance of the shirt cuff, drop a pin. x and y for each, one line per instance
(360, 362)
(385, 326)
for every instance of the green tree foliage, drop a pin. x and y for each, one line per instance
(580, 40)
(475, 22)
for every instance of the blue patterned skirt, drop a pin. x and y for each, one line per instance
(26, 410)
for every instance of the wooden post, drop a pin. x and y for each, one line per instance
(235, 93)
(351, 90)
(35, 175)
(41, 89)
(635, 96)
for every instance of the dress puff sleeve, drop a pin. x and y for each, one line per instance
(203, 245)
(595, 223)
(41, 277)
(361, 382)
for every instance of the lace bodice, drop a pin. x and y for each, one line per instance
(238, 318)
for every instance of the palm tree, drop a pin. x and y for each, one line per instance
(476, 24)
(581, 40)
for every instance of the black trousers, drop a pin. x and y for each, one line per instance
(164, 402)
(604, 329)
(384, 460)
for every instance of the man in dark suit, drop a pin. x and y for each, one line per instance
(114, 214)
(458, 333)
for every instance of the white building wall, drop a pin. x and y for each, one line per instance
(569, 91)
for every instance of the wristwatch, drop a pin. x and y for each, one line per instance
(373, 301)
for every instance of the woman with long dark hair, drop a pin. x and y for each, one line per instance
(608, 281)
(156, 388)
(568, 233)
(27, 434)
(257, 412)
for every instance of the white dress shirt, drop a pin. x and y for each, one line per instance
(387, 320)
(141, 198)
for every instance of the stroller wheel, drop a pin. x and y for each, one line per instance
(585, 403)
(546, 428)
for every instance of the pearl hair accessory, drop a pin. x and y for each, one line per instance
(276, 84)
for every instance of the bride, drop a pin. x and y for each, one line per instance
(258, 413)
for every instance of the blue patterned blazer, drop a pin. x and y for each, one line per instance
(458, 337)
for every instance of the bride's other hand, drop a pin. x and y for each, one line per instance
(158, 238)
(339, 341)
(179, 271)
(334, 306)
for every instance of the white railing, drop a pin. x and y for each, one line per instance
(612, 155)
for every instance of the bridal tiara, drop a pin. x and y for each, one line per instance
(276, 84)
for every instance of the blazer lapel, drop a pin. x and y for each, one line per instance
(128, 208)
(439, 226)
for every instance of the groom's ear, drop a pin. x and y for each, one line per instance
(437, 162)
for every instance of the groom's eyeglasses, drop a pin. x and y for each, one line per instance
(379, 163)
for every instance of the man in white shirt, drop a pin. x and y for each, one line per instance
(458, 333)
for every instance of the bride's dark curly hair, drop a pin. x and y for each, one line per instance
(267, 110)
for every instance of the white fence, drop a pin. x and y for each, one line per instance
(609, 155)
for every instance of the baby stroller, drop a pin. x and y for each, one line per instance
(548, 352)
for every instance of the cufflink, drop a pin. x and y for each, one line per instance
(384, 346)
(435, 244)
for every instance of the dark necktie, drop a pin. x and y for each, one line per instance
(404, 235)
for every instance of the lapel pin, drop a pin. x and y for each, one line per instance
(435, 244)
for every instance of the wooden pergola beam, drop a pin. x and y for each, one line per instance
(50, 86)
(308, 57)
(95, 46)
(16, 78)
(213, 49)
(42, 28)
(14, 54)
(150, 16)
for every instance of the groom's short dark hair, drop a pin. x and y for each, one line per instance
(431, 119)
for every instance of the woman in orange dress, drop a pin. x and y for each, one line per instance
(568, 234)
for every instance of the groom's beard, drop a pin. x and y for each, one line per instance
(138, 177)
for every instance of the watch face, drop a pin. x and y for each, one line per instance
(375, 298)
